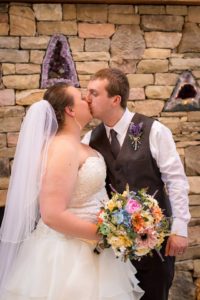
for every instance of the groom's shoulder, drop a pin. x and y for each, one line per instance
(98, 133)
(142, 117)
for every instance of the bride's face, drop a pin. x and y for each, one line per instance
(80, 107)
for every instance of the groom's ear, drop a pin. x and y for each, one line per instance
(69, 111)
(117, 100)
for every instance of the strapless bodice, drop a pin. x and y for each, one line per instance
(90, 190)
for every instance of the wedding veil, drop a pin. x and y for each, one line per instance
(22, 208)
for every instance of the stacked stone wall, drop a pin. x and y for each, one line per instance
(153, 44)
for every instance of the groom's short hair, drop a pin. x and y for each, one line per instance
(117, 83)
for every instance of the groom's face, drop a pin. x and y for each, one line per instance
(99, 101)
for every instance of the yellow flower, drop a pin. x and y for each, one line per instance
(120, 241)
(160, 238)
(111, 205)
(125, 193)
(141, 251)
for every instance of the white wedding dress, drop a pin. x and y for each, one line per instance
(51, 266)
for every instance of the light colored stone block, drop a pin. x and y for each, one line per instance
(12, 111)
(97, 45)
(92, 13)
(121, 9)
(158, 92)
(4, 181)
(86, 30)
(140, 80)
(123, 19)
(3, 195)
(194, 200)
(194, 182)
(69, 12)
(127, 43)
(136, 94)
(29, 97)
(191, 33)
(125, 65)
(3, 141)
(91, 56)
(7, 97)
(7, 152)
(39, 42)
(36, 56)
(4, 28)
(13, 56)
(196, 74)
(12, 138)
(183, 63)
(22, 21)
(76, 44)
(147, 107)
(166, 79)
(156, 53)
(21, 82)
(193, 116)
(9, 42)
(194, 14)
(151, 9)
(55, 27)
(176, 10)
(162, 39)
(152, 66)
(90, 67)
(8, 69)
(9, 124)
(28, 69)
(48, 12)
(162, 23)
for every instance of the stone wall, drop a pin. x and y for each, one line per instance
(152, 44)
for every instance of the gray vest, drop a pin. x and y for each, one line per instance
(136, 167)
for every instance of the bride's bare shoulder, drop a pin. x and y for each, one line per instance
(60, 144)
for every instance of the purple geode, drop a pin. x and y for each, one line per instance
(58, 65)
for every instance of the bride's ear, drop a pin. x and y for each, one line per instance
(69, 111)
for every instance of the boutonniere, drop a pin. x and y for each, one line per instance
(135, 133)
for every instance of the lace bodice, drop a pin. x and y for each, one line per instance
(90, 191)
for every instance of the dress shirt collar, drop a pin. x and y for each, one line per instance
(122, 125)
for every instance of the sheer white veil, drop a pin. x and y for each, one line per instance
(22, 208)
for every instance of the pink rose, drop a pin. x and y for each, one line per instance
(132, 206)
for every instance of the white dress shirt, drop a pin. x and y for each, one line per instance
(163, 150)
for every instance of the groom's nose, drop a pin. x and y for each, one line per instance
(88, 98)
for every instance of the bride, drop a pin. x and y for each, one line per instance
(56, 189)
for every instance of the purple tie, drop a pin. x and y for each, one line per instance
(115, 146)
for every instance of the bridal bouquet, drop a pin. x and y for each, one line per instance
(133, 224)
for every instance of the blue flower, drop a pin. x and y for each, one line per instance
(121, 217)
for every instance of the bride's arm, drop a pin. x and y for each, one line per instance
(57, 189)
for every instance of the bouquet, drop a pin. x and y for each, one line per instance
(133, 224)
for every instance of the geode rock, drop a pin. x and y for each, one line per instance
(186, 94)
(58, 65)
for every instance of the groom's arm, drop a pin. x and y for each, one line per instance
(86, 138)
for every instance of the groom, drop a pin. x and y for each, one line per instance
(146, 156)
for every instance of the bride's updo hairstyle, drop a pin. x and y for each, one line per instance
(58, 96)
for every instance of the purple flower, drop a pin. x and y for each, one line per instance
(135, 133)
(136, 129)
